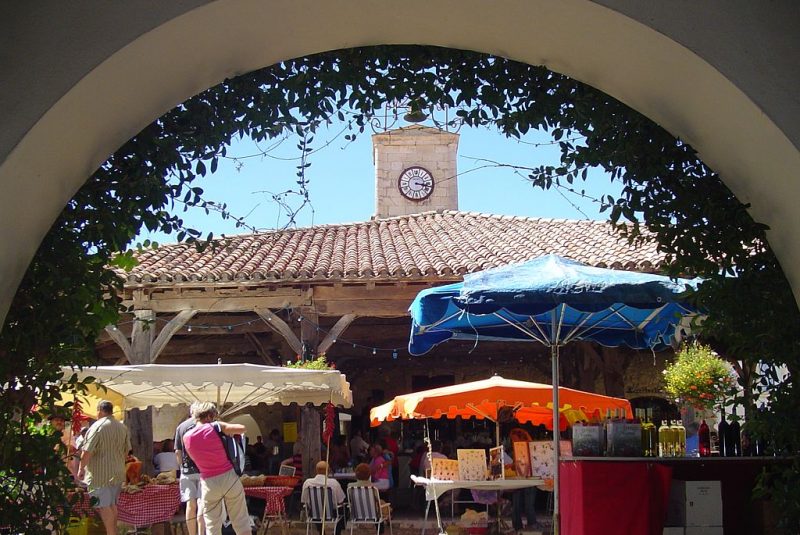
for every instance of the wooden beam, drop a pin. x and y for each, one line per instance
(218, 300)
(144, 327)
(336, 331)
(121, 340)
(372, 308)
(262, 351)
(281, 327)
(218, 304)
(382, 292)
(140, 422)
(168, 331)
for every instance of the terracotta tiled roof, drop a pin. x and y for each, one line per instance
(426, 245)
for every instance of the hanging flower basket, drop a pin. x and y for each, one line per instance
(698, 377)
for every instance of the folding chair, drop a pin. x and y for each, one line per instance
(318, 500)
(365, 508)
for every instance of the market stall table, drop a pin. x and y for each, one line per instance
(274, 504)
(151, 505)
(434, 488)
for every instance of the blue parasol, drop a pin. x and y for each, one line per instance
(554, 301)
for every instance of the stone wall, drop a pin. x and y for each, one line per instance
(397, 150)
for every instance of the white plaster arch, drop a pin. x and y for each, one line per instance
(78, 81)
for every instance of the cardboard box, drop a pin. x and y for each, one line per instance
(673, 530)
(695, 504)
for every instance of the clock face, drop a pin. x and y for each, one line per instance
(415, 183)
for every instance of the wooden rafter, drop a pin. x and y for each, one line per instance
(335, 332)
(169, 330)
(122, 341)
(281, 327)
(260, 349)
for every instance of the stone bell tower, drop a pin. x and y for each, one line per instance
(415, 171)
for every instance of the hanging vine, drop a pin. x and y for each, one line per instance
(67, 295)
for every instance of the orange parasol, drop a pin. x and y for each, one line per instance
(530, 402)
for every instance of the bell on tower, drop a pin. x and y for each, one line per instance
(415, 171)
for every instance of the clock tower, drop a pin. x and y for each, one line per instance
(415, 171)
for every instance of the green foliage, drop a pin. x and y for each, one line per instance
(698, 377)
(319, 363)
(68, 295)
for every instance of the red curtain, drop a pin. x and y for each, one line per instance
(613, 497)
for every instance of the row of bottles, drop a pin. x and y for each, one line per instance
(621, 437)
(671, 439)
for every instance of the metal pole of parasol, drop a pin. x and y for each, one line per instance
(555, 333)
(556, 452)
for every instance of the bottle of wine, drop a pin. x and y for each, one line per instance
(723, 430)
(747, 441)
(652, 434)
(704, 439)
(664, 439)
(735, 444)
(680, 439)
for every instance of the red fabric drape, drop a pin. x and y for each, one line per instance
(607, 498)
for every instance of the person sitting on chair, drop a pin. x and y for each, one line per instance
(296, 460)
(363, 473)
(322, 480)
(380, 468)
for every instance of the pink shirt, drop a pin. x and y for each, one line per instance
(206, 450)
(379, 467)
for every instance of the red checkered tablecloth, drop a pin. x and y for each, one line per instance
(155, 503)
(80, 503)
(273, 496)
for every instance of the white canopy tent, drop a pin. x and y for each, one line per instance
(231, 386)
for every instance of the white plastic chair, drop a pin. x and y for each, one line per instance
(365, 508)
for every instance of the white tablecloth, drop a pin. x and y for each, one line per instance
(436, 487)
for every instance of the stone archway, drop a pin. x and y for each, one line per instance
(80, 81)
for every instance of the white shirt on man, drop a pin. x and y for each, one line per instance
(319, 481)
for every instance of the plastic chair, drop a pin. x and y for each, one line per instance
(365, 508)
(319, 503)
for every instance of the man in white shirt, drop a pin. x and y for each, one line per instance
(436, 453)
(322, 480)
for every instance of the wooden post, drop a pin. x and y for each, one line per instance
(310, 421)
(140, 422)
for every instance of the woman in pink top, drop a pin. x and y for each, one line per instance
(218, 480)
(379, 467)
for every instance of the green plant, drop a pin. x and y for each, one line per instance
(319, 363)
(698, 377)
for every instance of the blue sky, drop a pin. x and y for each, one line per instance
(341, 181)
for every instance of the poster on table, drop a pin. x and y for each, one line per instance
(542, 462)
(444, 469)
(496, 467)
(522, 459)
(472, 464)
